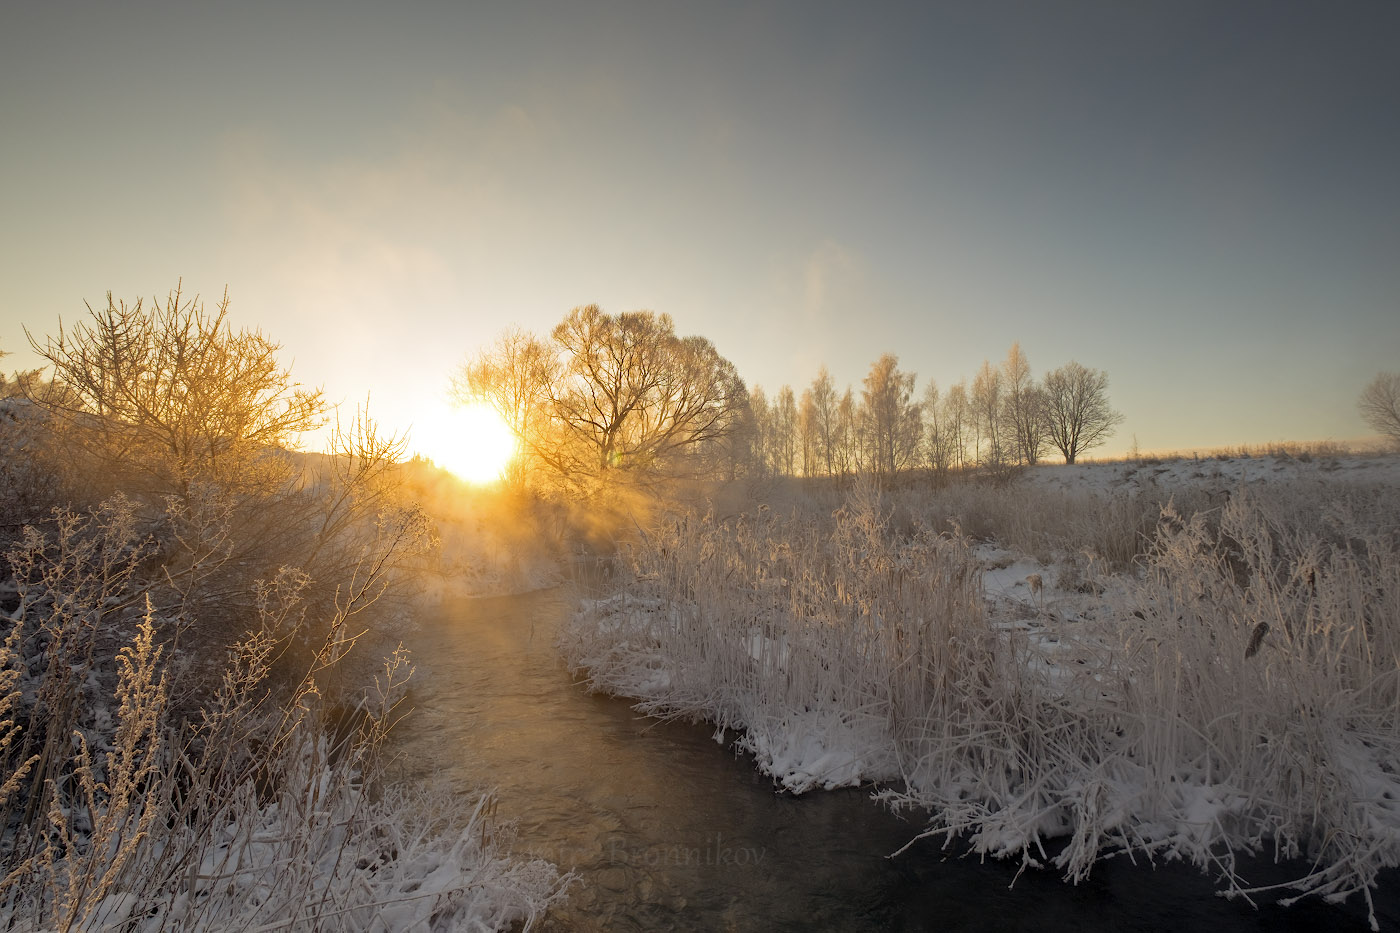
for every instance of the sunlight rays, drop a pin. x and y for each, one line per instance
(471, 441)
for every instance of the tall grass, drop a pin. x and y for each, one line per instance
(788, 628)
(1236, 690)
(256, 806)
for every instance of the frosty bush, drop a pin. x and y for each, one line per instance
(247, 811)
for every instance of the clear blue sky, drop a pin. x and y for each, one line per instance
(1200, 198)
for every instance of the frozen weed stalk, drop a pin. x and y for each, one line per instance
(1238, 691)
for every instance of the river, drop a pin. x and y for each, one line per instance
(670, 830)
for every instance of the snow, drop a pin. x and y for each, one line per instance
(1117, 660)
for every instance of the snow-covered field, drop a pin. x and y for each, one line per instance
(1184, 659)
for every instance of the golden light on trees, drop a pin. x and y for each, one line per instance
(472, 441)
(609, 398)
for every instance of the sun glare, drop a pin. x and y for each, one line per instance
(471, 442)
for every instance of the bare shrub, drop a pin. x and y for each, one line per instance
(1380, 405)
(167, 395)
(247, 815)
(192, 422)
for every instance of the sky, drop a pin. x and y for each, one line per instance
(1200, 199)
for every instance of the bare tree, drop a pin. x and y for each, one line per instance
(761, 419)
(785, 431)
(955, 416)
(18, 383)
(1024, 402)
(890, 416)
(171, 407)
(986, 404)
(514, 378)
(825, 404)
(1034, 430)
(939, 439)
(808, 432)
(170, 394)
(1380, 405)
(846, 448)
(632, 397)
(1077, 413)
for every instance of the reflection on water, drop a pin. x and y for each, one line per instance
(671, 831)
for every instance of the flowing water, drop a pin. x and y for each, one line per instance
(670, 830)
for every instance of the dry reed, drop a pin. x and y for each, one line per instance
(1238, 689)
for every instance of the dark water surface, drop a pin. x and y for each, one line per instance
(670, 830)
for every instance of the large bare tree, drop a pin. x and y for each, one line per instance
(611, 395)
(1078, 416)
(1380, 405)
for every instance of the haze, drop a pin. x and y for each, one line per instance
(1199, 199)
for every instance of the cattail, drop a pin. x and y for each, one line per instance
(1256, 638)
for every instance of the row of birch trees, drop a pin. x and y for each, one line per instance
(1003, 417)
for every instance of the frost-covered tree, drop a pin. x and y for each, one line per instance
(986, 406)
(785, 442)
(808, 432)
(631, 397)
(939, 440)
(1380, 405)
(825, 417)
(890, 417)
(1022, 407)
(18, 383)
(191, 422)
(1078, 416)
(955, 420)
(513, 377)
(845, 444)
(167, 395)
(761, 420)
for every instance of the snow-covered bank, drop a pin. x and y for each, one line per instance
(1234, 690)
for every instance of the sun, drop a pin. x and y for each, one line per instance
(471, 442)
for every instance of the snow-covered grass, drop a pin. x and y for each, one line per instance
(1231, 685)
(127, 805)
(787, 629)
